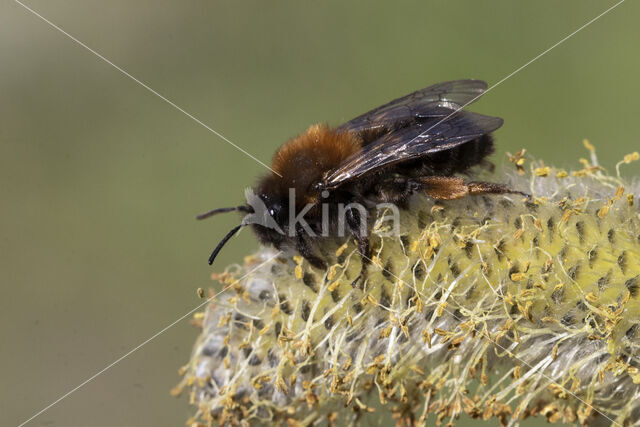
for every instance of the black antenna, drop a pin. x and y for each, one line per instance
(223, 210)
(224, 240)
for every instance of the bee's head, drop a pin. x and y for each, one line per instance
(276, 207)
(267, 211)
(271, 211)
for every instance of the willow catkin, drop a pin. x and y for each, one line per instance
(493, 306)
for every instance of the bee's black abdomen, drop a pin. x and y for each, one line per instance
(449, 162)
(461, 158)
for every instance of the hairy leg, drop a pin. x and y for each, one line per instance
(302, 245)
(449, 187)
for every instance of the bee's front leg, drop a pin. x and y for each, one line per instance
(302, 245)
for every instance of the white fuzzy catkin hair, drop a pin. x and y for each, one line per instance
(493, 306)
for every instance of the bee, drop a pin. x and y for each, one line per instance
(418, 143)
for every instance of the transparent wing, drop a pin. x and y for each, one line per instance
(428, 133)
(452, 94)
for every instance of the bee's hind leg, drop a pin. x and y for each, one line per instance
(449, 187)
(360, 232)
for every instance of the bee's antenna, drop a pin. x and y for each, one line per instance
(224, 240)
(223, 210)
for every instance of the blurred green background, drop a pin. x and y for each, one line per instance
(100, 179)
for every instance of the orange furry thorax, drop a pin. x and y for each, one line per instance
(304, 159)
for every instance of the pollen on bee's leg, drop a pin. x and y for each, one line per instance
(479, 187)
(443, 187)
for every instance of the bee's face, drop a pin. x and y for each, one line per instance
(271, 225)
(275, 210)
(267, 232)
(274, 199)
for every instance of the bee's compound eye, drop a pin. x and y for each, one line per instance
(274, 209)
